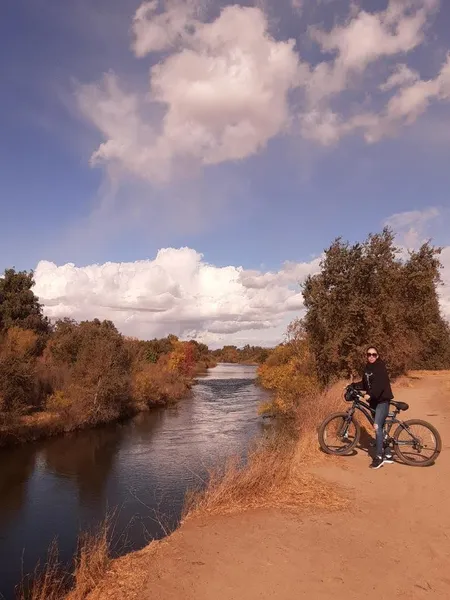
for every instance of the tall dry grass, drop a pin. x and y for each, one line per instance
(47, 582)
(52, 582)
(309, 415)
(276, 472)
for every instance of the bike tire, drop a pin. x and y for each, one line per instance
(435, 433)
(322, 430)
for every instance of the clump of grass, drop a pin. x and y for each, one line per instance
(276, 472)
(271, 476)
(91, 563)
(51, 582)
(47, 582)
(309, 414)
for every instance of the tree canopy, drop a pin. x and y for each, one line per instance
(371, 294)
(19, 306)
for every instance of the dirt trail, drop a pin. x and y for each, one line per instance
(393, 542)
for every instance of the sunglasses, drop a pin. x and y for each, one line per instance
(374, 354)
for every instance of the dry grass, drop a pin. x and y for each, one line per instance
(275, 475)
(91, 564)
(309, 416)
(47, 582)
(51, 582)
(276, 471)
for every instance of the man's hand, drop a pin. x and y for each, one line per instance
(366, 397)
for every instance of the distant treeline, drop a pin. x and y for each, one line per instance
(246, 355)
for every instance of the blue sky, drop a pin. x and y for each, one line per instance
(323, 156)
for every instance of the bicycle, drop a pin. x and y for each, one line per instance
(405, 436)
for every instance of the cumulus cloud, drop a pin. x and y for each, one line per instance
(403, 108)
(222, 83)
(177, 292)
(367, 37)
(401, 76)
(411, 226)
(154, 32)
(223, 90)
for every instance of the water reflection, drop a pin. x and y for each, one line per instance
(16, 469)
(142, 467)
(86, 460)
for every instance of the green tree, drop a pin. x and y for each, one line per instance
(366, 294)
(19, 306)
(422, 312)
(92, 367)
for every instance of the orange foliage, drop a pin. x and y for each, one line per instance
(289, 373)
(19, 342)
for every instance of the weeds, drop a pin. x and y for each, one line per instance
(52, 582)
(275, 473)
(47, 582)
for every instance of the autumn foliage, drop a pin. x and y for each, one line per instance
(71, 375)
(289, 372)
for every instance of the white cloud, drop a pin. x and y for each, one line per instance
(366, 38)
(155, 32)
(402, 108)
(411, 226)
(219, 89)
(401, 76)
(223, 91)
(177, 292)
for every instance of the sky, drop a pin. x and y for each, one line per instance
(180, 166)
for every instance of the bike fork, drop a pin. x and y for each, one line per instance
(345, 426)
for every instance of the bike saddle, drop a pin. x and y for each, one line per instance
(400, 405)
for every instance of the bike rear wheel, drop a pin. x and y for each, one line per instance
(339, 434)
(417, 443)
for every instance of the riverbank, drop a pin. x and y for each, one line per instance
(74, 376)
(46, 424)
(140, 468)
(20, 429)
(395, 518)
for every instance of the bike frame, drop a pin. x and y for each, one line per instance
(391, 420)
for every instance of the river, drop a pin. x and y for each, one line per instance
(140, 469)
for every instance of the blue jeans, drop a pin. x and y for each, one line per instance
(381, 412)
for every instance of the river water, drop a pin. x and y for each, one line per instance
(140, 469)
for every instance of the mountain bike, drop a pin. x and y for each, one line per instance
(415, 442)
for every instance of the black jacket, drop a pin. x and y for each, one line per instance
(375, 381)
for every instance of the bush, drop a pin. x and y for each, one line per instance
(18, 386)
(289, 373)
(156, 384)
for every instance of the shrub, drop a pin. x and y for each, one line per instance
(156, 384)
(18, 386)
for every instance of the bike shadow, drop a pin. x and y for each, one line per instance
(366, 443)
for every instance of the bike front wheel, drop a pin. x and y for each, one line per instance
(417, 443)
(339, 434)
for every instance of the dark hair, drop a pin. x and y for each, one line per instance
(373, 348)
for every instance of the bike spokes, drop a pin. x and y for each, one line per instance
(417, 443)
(340, 434)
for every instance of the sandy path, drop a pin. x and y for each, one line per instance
(394, 542)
